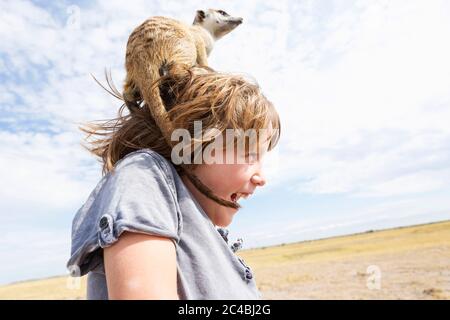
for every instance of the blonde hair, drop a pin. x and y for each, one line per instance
(219, 100)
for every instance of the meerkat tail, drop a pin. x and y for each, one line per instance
(159, 113)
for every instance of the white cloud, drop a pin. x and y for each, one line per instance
(41, 172)
(382, 67)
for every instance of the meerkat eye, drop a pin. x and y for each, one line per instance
(222, 12)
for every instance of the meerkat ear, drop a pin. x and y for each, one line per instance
(199, 17)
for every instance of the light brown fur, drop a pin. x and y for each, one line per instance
(155, 42)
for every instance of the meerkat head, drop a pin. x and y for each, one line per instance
(217, 22)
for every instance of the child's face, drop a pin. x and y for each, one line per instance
(226, 180)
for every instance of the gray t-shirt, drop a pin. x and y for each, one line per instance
(145, 194)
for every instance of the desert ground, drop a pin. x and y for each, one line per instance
(402, 263)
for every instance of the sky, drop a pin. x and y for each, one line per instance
(362, 89)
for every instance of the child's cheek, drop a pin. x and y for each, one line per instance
(243, 174)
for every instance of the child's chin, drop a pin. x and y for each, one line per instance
(233, 210)
(227, 217)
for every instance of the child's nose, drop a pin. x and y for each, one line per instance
(259, 179)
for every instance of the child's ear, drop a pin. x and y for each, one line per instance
(199, 17)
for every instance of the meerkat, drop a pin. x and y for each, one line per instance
(160, 42)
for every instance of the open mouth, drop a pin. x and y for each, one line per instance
(238, 195)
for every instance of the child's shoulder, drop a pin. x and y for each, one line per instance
(140, 163)
(145, 156)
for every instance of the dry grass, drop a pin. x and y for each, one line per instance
(410, 263)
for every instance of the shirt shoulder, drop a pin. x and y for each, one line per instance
(146, 159)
